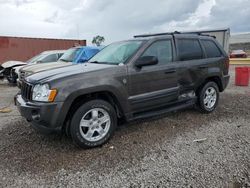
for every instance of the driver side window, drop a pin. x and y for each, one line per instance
(160, 49)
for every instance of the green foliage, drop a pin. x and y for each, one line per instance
(97, 40)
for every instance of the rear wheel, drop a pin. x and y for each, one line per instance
(208, 97)
(93, 124)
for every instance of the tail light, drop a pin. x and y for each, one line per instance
(226, 65)
(227, 60)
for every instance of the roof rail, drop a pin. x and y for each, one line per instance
(156, 34)
(171, 33)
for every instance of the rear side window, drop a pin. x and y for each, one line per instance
(50, 58)
(189, 49)
(211, 49)
(160, 49)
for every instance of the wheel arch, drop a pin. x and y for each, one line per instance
(83, 98)
(215, 79)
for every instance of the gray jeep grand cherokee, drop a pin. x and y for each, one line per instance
(143, 77)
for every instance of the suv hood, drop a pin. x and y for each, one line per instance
(8, 64)
(65, 71)
(44, 66)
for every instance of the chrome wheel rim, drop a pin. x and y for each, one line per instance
(95, 124)
(210, 97)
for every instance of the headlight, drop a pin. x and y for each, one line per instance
(42, 93)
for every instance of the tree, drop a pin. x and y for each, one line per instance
(97, 40)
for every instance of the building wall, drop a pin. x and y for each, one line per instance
(22, 49)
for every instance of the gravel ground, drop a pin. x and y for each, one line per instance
(159, 152)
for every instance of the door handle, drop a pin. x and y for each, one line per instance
(170, 71)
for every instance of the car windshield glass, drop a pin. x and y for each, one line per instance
(36, 58)
(116, 53)
(69, 55)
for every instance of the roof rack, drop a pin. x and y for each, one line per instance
(156, 34)
(171, 33)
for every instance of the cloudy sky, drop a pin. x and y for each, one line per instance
(118, 19)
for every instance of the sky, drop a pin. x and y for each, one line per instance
(118, 19)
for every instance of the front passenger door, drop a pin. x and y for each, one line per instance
(155, 85)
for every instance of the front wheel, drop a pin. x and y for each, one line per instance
(93, 124)
(12, 77)
(208, 97)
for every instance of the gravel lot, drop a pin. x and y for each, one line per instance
(159, 152)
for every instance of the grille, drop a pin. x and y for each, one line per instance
(26, 91)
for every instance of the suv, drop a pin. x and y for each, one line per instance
(132, 79)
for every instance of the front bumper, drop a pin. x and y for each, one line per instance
(45, 117)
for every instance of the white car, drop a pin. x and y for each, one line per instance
(10, 69)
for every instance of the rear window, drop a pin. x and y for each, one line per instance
(189, 49)
(211, 49)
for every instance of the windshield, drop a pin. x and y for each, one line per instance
(116, 53)
(36, 58)
(70, 55)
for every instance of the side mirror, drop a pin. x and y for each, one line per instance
(146, 61)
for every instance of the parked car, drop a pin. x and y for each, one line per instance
(132, 79)
(74, 55)
(10, 69)
(238, 54)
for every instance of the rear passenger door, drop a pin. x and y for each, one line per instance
(191, 63)
(155, 85)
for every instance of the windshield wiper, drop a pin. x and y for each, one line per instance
(98, 62)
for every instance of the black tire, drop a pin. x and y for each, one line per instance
(11, 80)
(77, 138)
(12, 77)
(202, 94)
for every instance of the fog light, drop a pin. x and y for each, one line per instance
(35, 115)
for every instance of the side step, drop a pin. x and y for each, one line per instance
(165, 110)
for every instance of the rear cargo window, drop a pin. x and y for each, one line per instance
(211, 49)
(189, 49)
(160, 49)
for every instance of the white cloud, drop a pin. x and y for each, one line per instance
(118, 19)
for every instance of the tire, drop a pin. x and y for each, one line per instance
(208, 97)
(97, 118)
(11, 80)
(12, 77)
